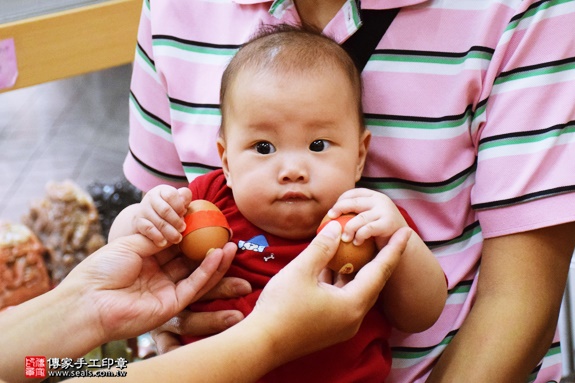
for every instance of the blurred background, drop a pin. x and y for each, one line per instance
(75, 129)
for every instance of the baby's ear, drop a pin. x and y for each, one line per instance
(364, 140)
(221, 143)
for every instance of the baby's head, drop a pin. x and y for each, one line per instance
(292, 137)
(285, 50)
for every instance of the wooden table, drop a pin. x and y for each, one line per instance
(73, 41)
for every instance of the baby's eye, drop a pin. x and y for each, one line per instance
(319, 146)
(264, 147)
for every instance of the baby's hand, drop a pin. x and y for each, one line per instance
(377, 216)
(160, 216)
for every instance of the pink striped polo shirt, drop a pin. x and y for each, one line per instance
(470, 103)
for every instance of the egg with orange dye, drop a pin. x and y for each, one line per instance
(206, 229)
(349, 258)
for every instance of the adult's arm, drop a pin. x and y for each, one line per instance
(118, 292)
(515, 314)
(296, 314)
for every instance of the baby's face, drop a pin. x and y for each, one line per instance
(292, 145)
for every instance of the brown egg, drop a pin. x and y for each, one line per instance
(206, 229)
(349, 258)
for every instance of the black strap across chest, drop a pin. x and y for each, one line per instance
(361, 45)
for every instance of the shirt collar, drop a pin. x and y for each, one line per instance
(367, 4)
(344, 24)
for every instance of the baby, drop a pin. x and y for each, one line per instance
(293, 145)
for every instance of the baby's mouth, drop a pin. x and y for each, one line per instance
(294, 197)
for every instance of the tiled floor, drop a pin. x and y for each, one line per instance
(74, 129)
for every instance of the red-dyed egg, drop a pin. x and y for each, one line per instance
(206, 229)
(349, 258)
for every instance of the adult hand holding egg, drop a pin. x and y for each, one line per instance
(341, 307)
(161, 217)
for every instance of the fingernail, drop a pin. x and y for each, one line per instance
(209, 251)
(332, 230)
(162, 243)
(233, 319)
(242, 289)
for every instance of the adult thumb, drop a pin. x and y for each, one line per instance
(321, 250)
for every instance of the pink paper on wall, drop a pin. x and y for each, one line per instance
(8, 64)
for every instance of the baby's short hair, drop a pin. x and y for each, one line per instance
(291, 50)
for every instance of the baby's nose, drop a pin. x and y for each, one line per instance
(294, 170)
